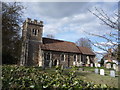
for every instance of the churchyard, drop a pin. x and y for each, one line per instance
(74, 77)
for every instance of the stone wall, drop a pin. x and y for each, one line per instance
(56, 58)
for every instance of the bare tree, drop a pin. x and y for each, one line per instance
(112, 37)
(84, 42)
(50, 36)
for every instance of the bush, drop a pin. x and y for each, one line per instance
(19, 77)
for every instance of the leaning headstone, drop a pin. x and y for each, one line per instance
(91, 64)
(114, 66)
(112, 73)
(108, 65)
(99, 65)
(96, 70)
(102, 72)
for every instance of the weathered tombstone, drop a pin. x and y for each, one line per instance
(50, 63)
(96, 70)
(102, 72)
(95, 64)
(99, 65)
(117, 67)
(112, 73)
(81, 69)
(108, 65)
(91, 64)
(114, 66)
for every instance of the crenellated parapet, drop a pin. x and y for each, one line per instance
(28, 20)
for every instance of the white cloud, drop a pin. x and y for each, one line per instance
(68, 18)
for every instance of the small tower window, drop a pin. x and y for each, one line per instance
(34, 32)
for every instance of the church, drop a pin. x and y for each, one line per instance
(47, 52)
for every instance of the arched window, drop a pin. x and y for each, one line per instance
(75, 57)
(35, 32)
(46, 56)
(62, 57)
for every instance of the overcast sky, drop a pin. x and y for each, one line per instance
(68, 21)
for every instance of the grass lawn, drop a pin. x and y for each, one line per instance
(89, 75)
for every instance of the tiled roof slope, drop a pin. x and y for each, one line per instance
(64, 46)
(86, 51)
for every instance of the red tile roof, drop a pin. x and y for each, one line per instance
(86, 51)
(64, 46)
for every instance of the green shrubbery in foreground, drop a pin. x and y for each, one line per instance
(19, 77)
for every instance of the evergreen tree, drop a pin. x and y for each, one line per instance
(11, 40)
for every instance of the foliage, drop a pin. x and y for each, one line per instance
(19, 77)
(110, 38)
(11, 41)
(84, 42)
(50, 36)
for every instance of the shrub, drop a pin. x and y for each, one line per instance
(19, 77)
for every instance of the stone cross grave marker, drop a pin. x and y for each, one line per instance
(96, 70)
(112, 73)
(108, 65)
(102, 72)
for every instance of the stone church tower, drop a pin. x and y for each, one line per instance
(32, 40)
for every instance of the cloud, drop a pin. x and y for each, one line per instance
(68, 19)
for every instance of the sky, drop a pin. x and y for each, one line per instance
(70, 21)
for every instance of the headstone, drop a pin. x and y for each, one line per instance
(117, 67)
(50, 63)
(96, 70)
(99, 65)
(91, 64)
(102, 72)
(95, 64)
(114, 66)
(108, 65)
(112, 73)
(81, 69)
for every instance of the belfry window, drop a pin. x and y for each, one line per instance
(34, 32)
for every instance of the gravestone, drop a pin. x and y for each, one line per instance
(108, 65)
(102, 72)
(112, 73)
(81, 69)
(96, 70)
(91, 64)
(50, 63)
(114, 66)
(95, 64)
(117, 67)
(99, 65)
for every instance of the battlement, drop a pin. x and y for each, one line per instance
(28, 20)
